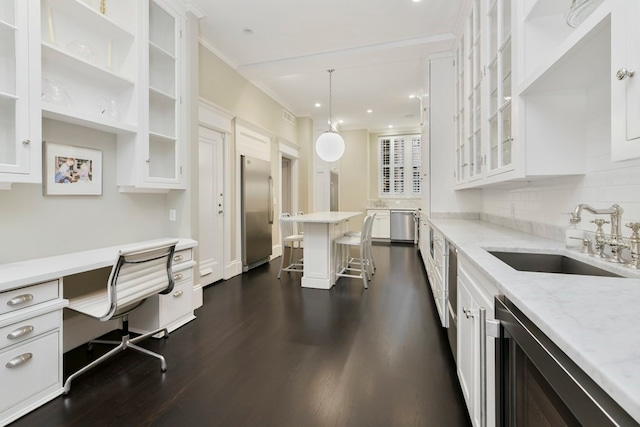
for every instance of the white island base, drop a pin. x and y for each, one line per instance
(320, 230)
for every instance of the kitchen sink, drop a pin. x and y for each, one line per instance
(549, 263)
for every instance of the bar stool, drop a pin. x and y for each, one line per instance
(289, 239)
(358, 268)
(369, 254)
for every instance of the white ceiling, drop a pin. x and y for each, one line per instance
(378, 49)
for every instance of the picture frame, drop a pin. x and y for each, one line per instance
(71, 171)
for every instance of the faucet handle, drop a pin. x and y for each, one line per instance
(599, 222)
(635, 226)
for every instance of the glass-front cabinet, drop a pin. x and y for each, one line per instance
(20, 128)
(499, 72)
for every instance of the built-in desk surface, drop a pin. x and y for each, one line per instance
(21, 273)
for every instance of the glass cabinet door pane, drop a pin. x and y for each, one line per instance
(506, 136)
(8, 12)
(493, 141)
(8, 146)
(7, 61)
(506, 19)
(493, 88)
(478, 154)
(506, 73)
(493, 31)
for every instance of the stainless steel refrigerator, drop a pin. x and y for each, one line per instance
(257, 211)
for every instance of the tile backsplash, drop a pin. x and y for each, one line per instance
(605, 182)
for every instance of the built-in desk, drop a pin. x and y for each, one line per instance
(320, 230)
(31, 326)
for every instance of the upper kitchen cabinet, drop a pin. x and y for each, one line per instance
(102, 69)
(625, 87)
(20, 125)
(155, 160)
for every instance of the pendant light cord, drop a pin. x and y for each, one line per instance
(330, 100)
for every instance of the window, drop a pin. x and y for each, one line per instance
(400, 166)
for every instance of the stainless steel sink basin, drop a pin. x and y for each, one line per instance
(549, 263)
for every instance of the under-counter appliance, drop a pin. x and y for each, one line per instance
(538, 384)
(257, 211)
(403, 226)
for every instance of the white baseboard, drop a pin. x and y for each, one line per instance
(276, 251)
(81, 329)
(197, 296)
(232, 270)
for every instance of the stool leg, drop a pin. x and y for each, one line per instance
(284, 248)
(363, 267)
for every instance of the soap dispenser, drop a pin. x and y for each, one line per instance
(573, 236)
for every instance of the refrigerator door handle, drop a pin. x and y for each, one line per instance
(270, 200)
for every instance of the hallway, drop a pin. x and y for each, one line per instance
(272, 354)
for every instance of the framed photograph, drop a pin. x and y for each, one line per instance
(70, 170)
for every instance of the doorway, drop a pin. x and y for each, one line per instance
(211, 210)
(287, 205)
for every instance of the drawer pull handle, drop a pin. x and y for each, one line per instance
(177, 276)
(20, 332)
(178, 258)
(19, 360)
(20, 299)
(178, 293)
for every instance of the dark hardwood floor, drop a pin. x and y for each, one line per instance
(268, 353)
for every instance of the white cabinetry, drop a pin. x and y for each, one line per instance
(30, 348)
(381, 224)
(173, 309)
(625, 88)
(475, 293)
(155, 159)
(440, 276)
(20, 125)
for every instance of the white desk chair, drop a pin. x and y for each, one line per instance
(289, 239)
(353, 267)
(138, 273)
(369, 253)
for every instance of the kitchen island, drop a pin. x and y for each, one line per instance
(320, 230)
(593, 320)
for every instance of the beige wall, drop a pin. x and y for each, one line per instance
(305, 163)
(354, 172)
(225, 87)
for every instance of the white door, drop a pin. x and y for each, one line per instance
(210, 239)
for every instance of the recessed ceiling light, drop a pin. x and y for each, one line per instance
(317, 104)
(416, 1)
(247, 31)
(390, 126)
(412, 96)
(340, 121)
(369, 111)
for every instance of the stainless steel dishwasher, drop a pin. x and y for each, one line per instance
(403, 226)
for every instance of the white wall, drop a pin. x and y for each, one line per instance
(605, 182)
(33, 226)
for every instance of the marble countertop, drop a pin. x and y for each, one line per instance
(592, 319)
(324, 217)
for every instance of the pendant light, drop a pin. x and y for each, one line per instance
(330, 145)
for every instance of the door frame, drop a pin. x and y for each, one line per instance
(218, 119)
(290, 151)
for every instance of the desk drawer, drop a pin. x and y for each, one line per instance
(177, 303)
(28, 296)
(28, 369)
(181, 256)
(22, 331)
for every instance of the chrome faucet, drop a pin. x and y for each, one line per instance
(615, 241)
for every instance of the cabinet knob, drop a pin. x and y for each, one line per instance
(623, 73)
(26, 142)
(177, 258)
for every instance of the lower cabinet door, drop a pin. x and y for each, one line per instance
(177, 303)
(28, 368)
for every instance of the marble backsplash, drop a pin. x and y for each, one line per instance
(394, 203)
(548, 231)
